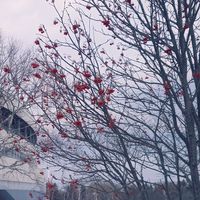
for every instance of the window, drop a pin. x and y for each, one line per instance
(17, 125)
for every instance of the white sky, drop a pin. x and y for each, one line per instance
(20, 19)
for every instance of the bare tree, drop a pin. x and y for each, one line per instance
(17, 133)
(122, 92)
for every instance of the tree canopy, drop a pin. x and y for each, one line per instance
(120, 94)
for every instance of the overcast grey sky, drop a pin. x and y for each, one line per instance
(20, 19)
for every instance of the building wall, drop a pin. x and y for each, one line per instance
(19, 173)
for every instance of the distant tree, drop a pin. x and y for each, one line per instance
(122, 92)
(17, 90)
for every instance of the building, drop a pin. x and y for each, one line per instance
(20, 177)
